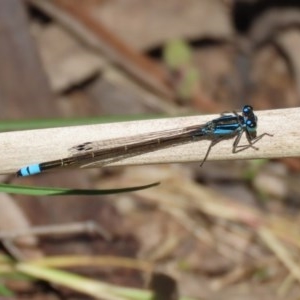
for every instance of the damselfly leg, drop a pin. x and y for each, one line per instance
(212, 143)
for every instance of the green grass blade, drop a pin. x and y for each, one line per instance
(5, 292)
(46, 191)
(11, 125)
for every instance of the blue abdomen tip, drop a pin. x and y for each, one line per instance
(29, 170)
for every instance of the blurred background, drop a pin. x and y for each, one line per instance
(206, 228)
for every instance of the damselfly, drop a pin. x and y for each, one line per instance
(101, 153)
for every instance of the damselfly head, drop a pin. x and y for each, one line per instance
(250, 120)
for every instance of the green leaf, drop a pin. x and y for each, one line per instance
(10, 125)
(46, 191)
(177, 53)
(4, 291)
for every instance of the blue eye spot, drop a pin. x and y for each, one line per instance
(247, 109)
(250, 124)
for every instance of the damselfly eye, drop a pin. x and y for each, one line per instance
(251, 124)
(247, 109)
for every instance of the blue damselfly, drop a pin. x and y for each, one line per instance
(101, 153)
